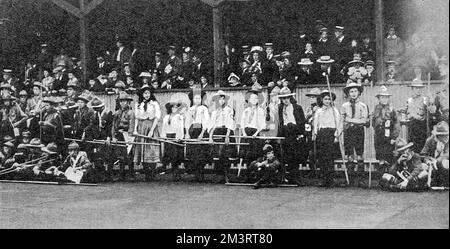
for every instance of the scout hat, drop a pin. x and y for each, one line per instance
(8, 138)
(73, 146)
(51, 148)
(97, 103)
(50, 100)
(440, 129)
(325, 60)
(353, 85)
(383, 92)
(35, 143)
(7, 86)
(218, 94)
(325, 93)
(417, 83)
(285, 92)
(305, 62)
(233, 75)
(119, 84)
(275, 91)
(125, 96)
(314, 92)
(401, 145)
(8, 144)
(83, 97)
(255, 90)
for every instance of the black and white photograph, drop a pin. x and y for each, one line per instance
(224, 114)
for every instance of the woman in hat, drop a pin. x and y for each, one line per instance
(121, 127)
(222, 124)
(35, 102)
(48, 80)
(355, 115)
(173, 128)
(253, 121)
(292, 127)
(437, 147)
(386, 126)
(327, 130)
(356, 71)
(315, 101)
(197, 123)
(12, 117)
(417, 111)
(147, 114)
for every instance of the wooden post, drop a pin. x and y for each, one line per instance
(379, 33)
(84, 51)
(218, 44)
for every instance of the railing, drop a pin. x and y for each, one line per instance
(400, 93)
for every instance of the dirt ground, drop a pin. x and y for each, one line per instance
(204, 205)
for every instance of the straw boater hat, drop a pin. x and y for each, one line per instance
(353, 85)
(97, 103)
(7, 71)
(440, 129)
(218, 94)
(353, 62)
(233, 75)
(370, 63)
(325, 93)
(51, 148)
(417, 83)
(314, 92)
(125, 96)
(145, 87)
(145, 74)
(305, 62)
(35, 143)
(256, 49)
(401, 145)
(255, 90)
(383, 92)
(325, 60)
(285, 93)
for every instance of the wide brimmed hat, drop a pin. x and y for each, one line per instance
(417, 83)
(170, 104)
(7, 71)
(353, 85)
(97, 103)
(383, 92)
(220, 93)
(40, 85)
(120, 84)
(401, 145)
(353, 62)
(11, 98)
(233, 75)
(255, 90)
(51, 148)
(23, 93)
(145, 74)
(50, 100)
(285, 92)
(9, 144)
(325, 60)
(35, 143)
(305, 62)
(440, 129)
(314, 92)
(325, 93)
(125, 96)
(370, 63)
(83, 97)
(72, 85)
(144, 88)
(257, 49)
(275, 91)
(73, 146)
(7, 86)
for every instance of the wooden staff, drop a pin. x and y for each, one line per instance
(251, 137)
(215, 143)
(23, 166)
(123, 143)
(25, 163)
(158, 139)
(48, 183)
(428, 104)
(93, 142)
(335, 123)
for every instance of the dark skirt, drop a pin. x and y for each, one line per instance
(418, 134)
(223, 151)
(326, 149)
(293, 150)
(173, 153)
(383, 147)
(252, 151)
(199, 154)
(354, 140)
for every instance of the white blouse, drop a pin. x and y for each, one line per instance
(153, 111)
(199, 115)
(253, 118)
(223, 117)
(176, 126)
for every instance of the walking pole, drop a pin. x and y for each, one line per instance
(335, 123)
(370, 143)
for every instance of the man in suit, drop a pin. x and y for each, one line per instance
(158, 64)
(173, 61)
(102, 67)
(327, 67)
(44, 59)
(9, 79)
(306, 75)
(122, 55)
(342, 46)
(200, 68)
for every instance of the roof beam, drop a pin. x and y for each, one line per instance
(69, 8)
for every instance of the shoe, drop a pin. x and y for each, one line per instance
(257, 185)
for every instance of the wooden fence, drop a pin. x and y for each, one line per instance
(400, 93)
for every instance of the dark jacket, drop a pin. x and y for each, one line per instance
(84, 123)
(299, 119)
